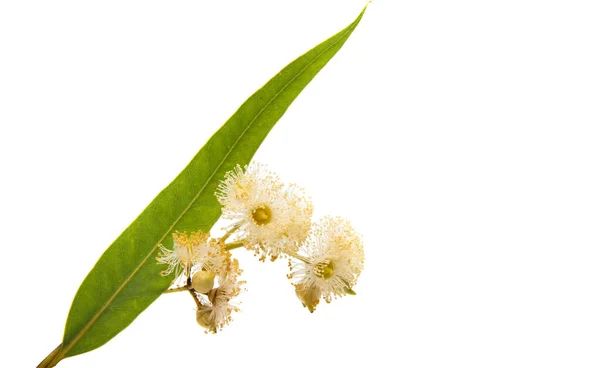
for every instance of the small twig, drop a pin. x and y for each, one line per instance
(198, 304)
(230, 232)
(49, 361)
(231, 246)
(174, 290)
(299, 257)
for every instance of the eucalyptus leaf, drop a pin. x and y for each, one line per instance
(126, 280)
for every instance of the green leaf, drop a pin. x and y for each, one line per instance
(126, 279)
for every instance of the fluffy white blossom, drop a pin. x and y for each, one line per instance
(329, 262)
(193, 250)
(267, 216)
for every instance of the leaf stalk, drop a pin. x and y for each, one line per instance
(49, 362)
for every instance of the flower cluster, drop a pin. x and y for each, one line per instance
(273, 220)
(216, 306)
(208, 272)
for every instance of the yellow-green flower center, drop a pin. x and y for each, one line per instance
(262, 215)
(324, 269)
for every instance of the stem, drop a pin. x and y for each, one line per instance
(48, 362)
(189, 274)
(184, 288)
(198, 305)
(299, 257)
(174, 290)
(231, 246)
(229, 232)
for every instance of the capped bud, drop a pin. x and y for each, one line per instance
(203, 317)
(309, 296)
(203, 281)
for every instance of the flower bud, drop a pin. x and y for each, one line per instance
(203, 281)
(309, 296)
(204, 319)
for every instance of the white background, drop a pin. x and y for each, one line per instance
(460, 137)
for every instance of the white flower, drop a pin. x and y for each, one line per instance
(301, 210)
(193, 250)
(332, 258)
(268, 217)
(216, 306)
(240, 186)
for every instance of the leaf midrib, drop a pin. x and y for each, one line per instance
(126, 281)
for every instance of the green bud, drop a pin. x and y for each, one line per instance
(204, 320)
(308, 296)
(203, 281)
